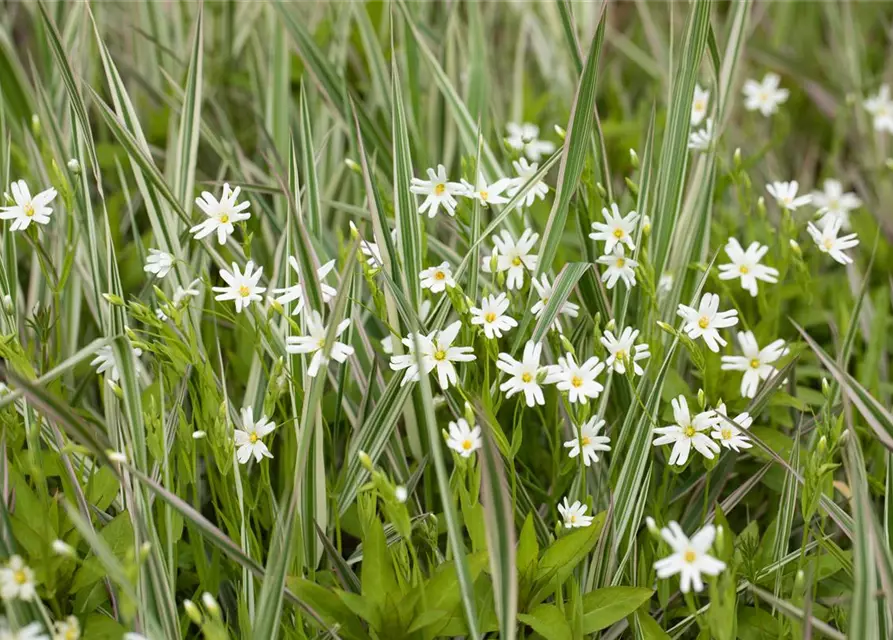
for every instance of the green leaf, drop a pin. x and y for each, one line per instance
(548, 621)
(603, 607)
(560, 559)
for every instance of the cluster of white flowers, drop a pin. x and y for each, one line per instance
(704, 432)
(617, 234)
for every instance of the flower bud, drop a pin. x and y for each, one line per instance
(646, 225)
(366, 461)
(566, 344)
(145, 548)
(35, 125)
(611, 325)
(74, 166)
(761, 206)
(736, 159)
(666, 328)
(354, 232)
(702, 399)
(8, 305)
(276, 306)
(116, 389)
(494, 260)
(116, 456)
(826, 388)
(561, 133)
(799, 579)
(211, 604)
(401, 493)
(111, 298)
(198, 435)
(634, 158)
(889, 163)
(795, 247)
(652, 527)
(601, 190)
(192, 611)
(469, 413)
(62, 548)
(353, 166)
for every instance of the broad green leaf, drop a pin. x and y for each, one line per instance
(603, 607)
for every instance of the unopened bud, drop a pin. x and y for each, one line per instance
(889, 163)
(211, 604)
(566, 344)
(116, 389)
(652, 527)
(634, 158)
(646, 225)
(561, 133)
(799, 579)
(8, 305)
(736, 159)
(611, 325)
(826, 388)
(365, 460)
(62, 548)
(401, 493)
(666, 328)
(494, 261)
(74, 166)
(601, 190)
(130, 334)
(822, 446)
(469, 413)
(353, 166)
(795, 247)
(111, 298)
(761, 206)
(702, 399)
(354, 232)
(198, 435)
(35, 125)
(632, 186)
(192, 611)
(276, 306)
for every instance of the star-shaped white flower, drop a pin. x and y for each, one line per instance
(17, 580)
(619, 267)
(437, 354)
(616, 229)
(687, 433)
(221, 215)
(624, 352)
(248, 439)
(746, 265)
(242, 287)
(729, 435)
(464, 439)
(68, 629)
(880, 106)
(512, 257)
(827, 241)
(315, 341)
(387, 344)
(295, 293)
(27, 209)
(785, 194)
(492, 316)
(702, 139)
(437, 279)
(832, 203)
(486, 193)
(577, 379)
(574, 515)
(523, 374)
(407, 361)
(699, 105)
(525, 172)
(32, 631)
(544, 291)
(105, 361)
(689, 558)
(589, 442)
(525, 138)
(159, 263)
(439, 192)
(756, 363)
(706, 321)
(764, 96)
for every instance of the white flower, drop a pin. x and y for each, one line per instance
(746, 265)
(315, 341)
(834, 203)
(702, 139)
(464, 439)
(827, 241)
(730, 436)
(706, 321)
(387, 344)
(68, 629)
(27, 209)
(881, 108)
(689, 558)
(105, 361)
(756, 363)
(371, 250)
(437, 353)
(438, 278)
(544, 290)
(248, 439)
(484, 192)
(492, 316)
(525, 172)
(295, 293)
(513, 257)
(574, 515)
(159, 263)
(182, 294)
(764, 96)
(241, 287)
(687, 433)
(589, 441)
(525, 138)
(62, 548)
(665, 284)
(17, 580)
(616, 229)
(439, 192)
(577, 379)
(619, 268)
(408, 362)
(221, 215)
(785, 194)
(400, 493)
(524, 374)
(624, 352)
(31, 631)
(699, 105)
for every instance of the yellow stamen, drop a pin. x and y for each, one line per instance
(704, 322)
(726, 434)
(440, 354)
(516, 261)
(484, 195)
(577, 381)
(224, 218)
(20, 577)
(620, 263)
(744, 269)
(29, 209)
(252, 438)
(439, 189)
(689, 556)
(689, 431)
(490, 317)
(466, 444)
(526, 377)
(585, 440)
(244, 291)
(618, 233)
(755, 363)
(439, 275)
(829, 244)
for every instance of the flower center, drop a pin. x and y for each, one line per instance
(252, 438)
(621, 355)
(526, 377)
(244, 291)
(440, 355)
(466, 444)
(224, 218)
(573, 518)
(689, 556)
(484, 195)
(620, 262)
(726, 434)
(321, 342)
(20, 577)
(490, 317)
(704, 322)
(744, 269)
(29, 209)
(828, 243)
(585, 440)
(516, 261)
(755, 363)
(439, 189)
(439, 275)
(689, 431)
(618, 233)
(577, 381)
(699, 105)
